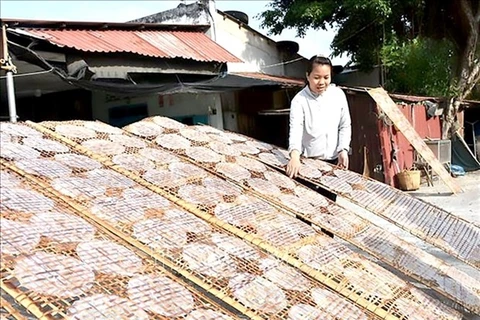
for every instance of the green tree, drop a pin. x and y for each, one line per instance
(422, 66)
(368, 29)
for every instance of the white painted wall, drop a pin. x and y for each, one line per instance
(176, 105)
(229, 107)
(102, 102)
(255, 50)
(259, 53)
(191, 104)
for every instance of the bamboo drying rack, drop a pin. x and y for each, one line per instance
(210, 219)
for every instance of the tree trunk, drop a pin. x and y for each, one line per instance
(450, 123)
(468, 72)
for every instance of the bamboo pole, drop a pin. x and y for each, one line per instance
(10, 309)
(24, 300)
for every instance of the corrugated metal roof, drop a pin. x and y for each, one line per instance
(99, 25)
(268, 77)
(153, 43)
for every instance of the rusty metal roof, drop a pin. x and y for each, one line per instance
(286, 81)
(193, 45)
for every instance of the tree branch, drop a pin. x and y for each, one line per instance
(467, 10)
(477, 17)
(472, 80)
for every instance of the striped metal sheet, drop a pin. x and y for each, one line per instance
(320, 211)
(152, 43)
(253, 220)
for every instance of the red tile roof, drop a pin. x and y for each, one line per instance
(193, 45)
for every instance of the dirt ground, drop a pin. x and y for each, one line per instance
(465, 205)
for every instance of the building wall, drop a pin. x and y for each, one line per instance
(238, 110)
(256, 51)
(102, 102)
(229, 109)
(259, 53)
(297, 69)
(426, 128)
(372, 137)
(174, 106)
(356, 78)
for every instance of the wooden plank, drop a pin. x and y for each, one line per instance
(388, 106)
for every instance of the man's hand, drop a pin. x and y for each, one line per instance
(343, 159)
(293, 166)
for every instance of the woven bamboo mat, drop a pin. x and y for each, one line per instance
(275, 187)
(9, 310)
(341, 278)
(452, 234)
(444, 230)
(59, 263)
(221, 264)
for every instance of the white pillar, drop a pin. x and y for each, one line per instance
(7, 65)
(12, 107)
(212, 13)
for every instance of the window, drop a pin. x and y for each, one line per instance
(124, 115)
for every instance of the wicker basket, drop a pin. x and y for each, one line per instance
(408, 180)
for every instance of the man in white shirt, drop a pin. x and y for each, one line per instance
(320, 125)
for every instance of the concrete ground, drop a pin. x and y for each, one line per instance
(465, 205)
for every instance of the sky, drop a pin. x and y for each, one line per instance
(315, 41)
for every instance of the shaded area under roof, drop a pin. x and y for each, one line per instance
(156, 81)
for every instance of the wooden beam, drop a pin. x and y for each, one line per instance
(388, 106)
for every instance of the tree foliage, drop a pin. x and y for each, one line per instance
(362, 25)
(373, 32)
(422, 66)
(365, 27)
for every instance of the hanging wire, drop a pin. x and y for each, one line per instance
(29, 74)
(282, 63)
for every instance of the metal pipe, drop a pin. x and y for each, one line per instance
(12, 108)
(4, 45)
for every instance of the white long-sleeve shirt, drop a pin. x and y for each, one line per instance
(320, 125)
